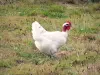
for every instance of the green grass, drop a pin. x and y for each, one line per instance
(18, 54)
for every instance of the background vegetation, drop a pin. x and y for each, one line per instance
(18, 54)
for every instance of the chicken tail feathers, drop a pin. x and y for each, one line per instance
(37, 30)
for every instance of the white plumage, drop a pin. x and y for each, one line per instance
(48, 42)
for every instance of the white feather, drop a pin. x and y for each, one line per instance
(45, 41)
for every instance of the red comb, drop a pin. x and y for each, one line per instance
(68, 22)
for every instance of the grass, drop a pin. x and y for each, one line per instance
(18, 54)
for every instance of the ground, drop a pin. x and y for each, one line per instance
(18, 54)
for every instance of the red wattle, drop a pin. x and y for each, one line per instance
(68, 28)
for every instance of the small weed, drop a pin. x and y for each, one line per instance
(53, 14)
(55, 11)
(6, 63)
(86, 30)
(25, 55)
(33, 13)
(57, 8)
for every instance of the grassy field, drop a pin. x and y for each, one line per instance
(18, 54)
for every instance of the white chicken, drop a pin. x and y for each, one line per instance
(49, 42)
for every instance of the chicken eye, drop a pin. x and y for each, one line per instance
(67, 24)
